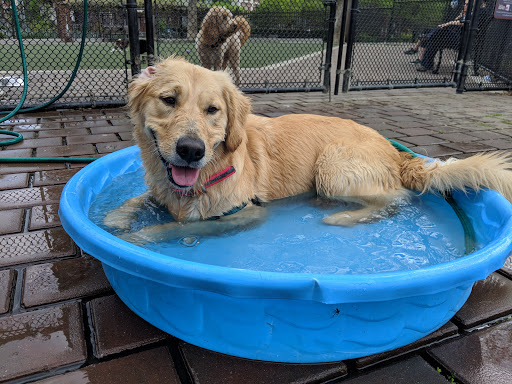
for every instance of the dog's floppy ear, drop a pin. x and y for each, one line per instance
(209, 28)
(137, 88)
(239, 108)
(147, 73)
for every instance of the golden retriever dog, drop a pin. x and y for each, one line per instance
(217, 26)
(205, 154)
(232, 48)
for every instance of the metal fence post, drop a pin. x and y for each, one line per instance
(463, 47)
(344, 17)
(133, 36)
(350, 44)
(330, 43)
(150, 35)
(473, 27)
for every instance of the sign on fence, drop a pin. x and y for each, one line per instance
(503, 9)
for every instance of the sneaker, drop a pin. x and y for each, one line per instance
(417, 61)
(421, 68)
(411, 51)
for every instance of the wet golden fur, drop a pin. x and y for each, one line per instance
(284, 156)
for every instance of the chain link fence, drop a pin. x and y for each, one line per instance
(489, 64)
(272, 45)
(52, 33)
(399, 43)
(266, 45)
(428, 43)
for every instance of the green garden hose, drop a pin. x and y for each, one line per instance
(469, 231)
(19, 137)
(23, 62)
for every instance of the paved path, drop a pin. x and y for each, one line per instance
(60, 321)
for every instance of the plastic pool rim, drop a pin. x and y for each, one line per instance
(242, 284)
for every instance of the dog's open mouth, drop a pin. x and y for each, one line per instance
(182, 176)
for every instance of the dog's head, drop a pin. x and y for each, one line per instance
(217, 26)
(186, 116)
(243, 26)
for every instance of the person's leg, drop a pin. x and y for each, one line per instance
(413, 50)
(427, 61)
(422, 53)
(431, 46)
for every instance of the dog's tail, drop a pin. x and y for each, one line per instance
(486, 170)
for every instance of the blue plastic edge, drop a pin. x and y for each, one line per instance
(78, 194)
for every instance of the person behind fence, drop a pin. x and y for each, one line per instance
(446, 35)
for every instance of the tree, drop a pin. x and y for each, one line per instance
(63, 13)
(192, 19)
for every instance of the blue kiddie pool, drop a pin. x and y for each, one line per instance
(292, 289)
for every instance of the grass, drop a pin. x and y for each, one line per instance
(44, 55)
(255, 53)
(498, 116)
(60, 56)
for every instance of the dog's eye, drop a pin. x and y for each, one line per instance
(169, 100)
(211, 110)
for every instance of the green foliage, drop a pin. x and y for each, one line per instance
(291, 6)
(397, 21)
(37, 17)
(375, 3)
(288, 18)
(233, 8)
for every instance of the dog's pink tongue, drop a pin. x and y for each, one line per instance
(184, 176)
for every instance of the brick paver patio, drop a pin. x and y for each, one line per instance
(60, 321)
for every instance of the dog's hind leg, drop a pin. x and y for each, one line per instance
(347, 170)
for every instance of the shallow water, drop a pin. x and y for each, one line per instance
(422, 232)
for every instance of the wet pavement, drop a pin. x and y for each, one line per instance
(60, 321)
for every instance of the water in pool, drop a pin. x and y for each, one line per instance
(292, 239)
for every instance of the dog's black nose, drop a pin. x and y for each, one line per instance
(190, 149)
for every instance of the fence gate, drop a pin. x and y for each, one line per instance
(427, 43)
(488, 61)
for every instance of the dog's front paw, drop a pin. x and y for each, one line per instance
(120, 219)
(342, 219)
(123, 216)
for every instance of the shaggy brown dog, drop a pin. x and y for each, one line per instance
(193, 126)
(242, 25)
(217, 26)
(232, 48)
